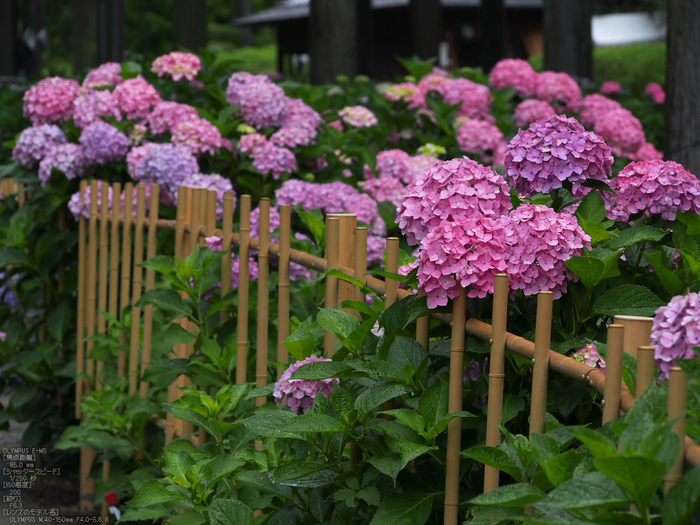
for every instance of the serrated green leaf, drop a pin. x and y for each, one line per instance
(342, 324)
(229, 512)
(433, 403)
(495, 457)
(377, 394)
(318, 370)
(300, 344)
(635, 234)
(268, 424)
(303, 474)
(410, 508)
(153, 492)
(628, 299)
(516, 495)
(683, 500)
(313, 422)
(588, 491)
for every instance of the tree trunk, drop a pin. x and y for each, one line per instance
(243, 8)
(682, 142)
(190, 24)
(83, 34)
(568, 44)
(425, 28)
(110, 31)
(332, 39)
(492, 45)
(8, 38)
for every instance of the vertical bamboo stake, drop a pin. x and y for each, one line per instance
(263, 295)
(423, 327)
(283, 304)
(243, 291)
(360, 264)
(102, 279)
(645, 369)
(196, 221)
(210, 214)
(153, 210)
(80, 338)
(677, 399)
(87, 482)
(191, 240)
(346, 252)
(543, 333)
(332, 254)
(613, 373)
(61, 268)
(92, 282)
(136, 290)
(114, 255)
(392, 265)
(227, 227)
(496, 374)
(126, 270)
(454, 428)
(637, 331)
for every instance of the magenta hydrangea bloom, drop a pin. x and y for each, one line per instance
(250, 143)
(621, 130)
(93, 104)
(177, 65)
(558, 87)
(475, 99)
(35, 142)
(593, 106)
(480, 137)
(167, 114)
(656, 92)
(539, 241)
(358, 116)
(540, 158)
(469, 251)
(514, 72)
(589, 355)
(532, 110)
(262, 102)
(103, 143)
(212, 181)
(67, 158)
(675, 331)
(301, 114)
(274, 160)
(199, 135)
(448, 191)
(51, 100)
(647, 152)
(136, 97)
(167, 165)
(655, 187)
(81, 206)
(610, 87)
(134, 158)
(108, 74)
(391, 163)
(300, 393)
(294, 136)
(385, 189)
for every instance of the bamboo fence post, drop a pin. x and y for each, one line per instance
(677, 400)
(243, 292)
(62, 268)
(283, 301)
(646, 369)
(137, 278)
(346, 253)
(263, 295)
(360, 265)
(102, 279)
(332, 256)
(210, 214)
(196, 220)
(637, 331)
(423, 327)
(126, 271)
(80, 337)
(496, 374)
(190, 242)
(92, 283)
(391, 288)
(114, 254)
(543, 333)
(613, 373)
(454, 428)
(153, 210)
(227, 231)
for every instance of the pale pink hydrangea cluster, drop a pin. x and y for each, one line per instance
(595, 105)
(621, 130)
(475, 99)
(385, 189)
(539, 241)
(647, 152)
(274, 160)
(676, 331)
(103, 143)
(358, 116)
(108, 74)
(262, 102)
(532, 110)
(136, 97)
(93, 104)
(516, 73)
(300, 393)
(134, 158)
(558, 88)
(480, 137)
(252, 142)
(293, 136)
(301, 114)
(67, 158)
(215, 243)
(610, 87)
(654, 187)
(540, 158)
(166, 115)
(210, 181)
(397, 164)
(177, 65)
(35, 142)
(656, 92)
(448, 191)
(51, 100)
(402, 91)
(200, 136)
(81, 206)
(589, 355)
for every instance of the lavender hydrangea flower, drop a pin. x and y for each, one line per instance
(67, 158)
(300, 393)
(262, 103)
(167, 165)
(93, 104)
(103, 143)
(675, 331)
(35, 142)
(275, 160)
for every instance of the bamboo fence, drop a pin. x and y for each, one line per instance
(346, 249)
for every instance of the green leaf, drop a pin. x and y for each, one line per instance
(166, 300)
(561, 467)
(592, 208)
(188, 518)
(379, 368)
(638, 233)
(358, 306)
(495, 457)
(433, 403)
(682, 500)
(512, 406)
(198, 420)
(318, 370)
(342, 324)
(313, 422)
(153, 492)
(628, 299)
(668, 279)
(377, 394)
(300, 344)
(58, 321)
(408, 417)
(177, 466)
(343, 276)
(599, 445)
(409, 508)
(160, 263)
(406, 351)
(221, 467)
(638, 477)
(516, 495)
(588, 269)
(229, 512)
(303, 474)
(588, 491)
(389, 465)
(596, 231)
(12, 257)
(269, 424)
(408, 450)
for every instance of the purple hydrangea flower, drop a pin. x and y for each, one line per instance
(275, 160)
(676, 330)
(93, 104)
(67, 158)
(103, 143)
(167, 165)
(299, 393)
(262, 102)
(34, 143)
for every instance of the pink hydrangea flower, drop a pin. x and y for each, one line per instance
(294, 136)
(262, 103)
(199, 135)
(540, 158)
(589, 355)
(402, 91)
(610, 87)
(391, 163)
(108, 74)
(67, 158)
(337, 124)
(516, 73)
(448, 191)
(300, 393)
(656, 92)
(136, 97)
(103, 143)
(135, 156)
(250, 143)
(177, 65)
(532, 110)
(51, 100)
(621, 130)
(301, 114)
(274, 160)
(385, 189)
(675, 331)
(475, 99)
(35, 142)
(167, 114)
(647, 152)
(593, 106)
(81, 206)
(558, 87)
(358, 116)
(480, 137)
(93, 104)
(655, 187)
